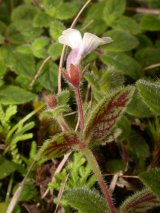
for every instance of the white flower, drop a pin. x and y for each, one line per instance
(80, 46)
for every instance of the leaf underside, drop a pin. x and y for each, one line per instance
(86, 200)
(59, 145)
(107, 113)
(140, 202)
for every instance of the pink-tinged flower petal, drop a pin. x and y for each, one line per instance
(73, 58)
(71, 38)
(91, 42)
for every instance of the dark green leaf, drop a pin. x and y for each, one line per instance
(138, 146)
(15, 95)
(122, 41)
(115, 165)
(128, 24)
(85, 200)
(124, 64)
(125, 126)
(151, 179)
(138, 108)
(6, 167)
(148, 56)
(150, 22)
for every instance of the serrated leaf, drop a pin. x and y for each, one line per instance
(41, 19)
(113, 9)
(67, 10)
(21, 64)
(55, 50)
(38, 47)
(105, 116)
(24, 49)
(150, 93)
(56, 28)
(23, 29)
(138, 108)
(122, 41)
(15, 95)
(141, 201)
(151, 179)
(124, 64)
(86, 200)
(51, 6)
(59, 145)
(94, 21)
(23, 12)
(150, 22)
(48, 77)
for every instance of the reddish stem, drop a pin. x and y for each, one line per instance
(80, 109)
(95, 167)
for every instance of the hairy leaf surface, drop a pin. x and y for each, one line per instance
(107, 113)
(140, 202)
(60, 144)
(150, 93)
(86, 200)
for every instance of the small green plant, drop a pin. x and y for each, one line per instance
(79, 174)
(102, 120)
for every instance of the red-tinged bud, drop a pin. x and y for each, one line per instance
(73, 76)
(50, 100)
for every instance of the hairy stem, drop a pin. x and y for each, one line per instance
(95, 167)
(79, 105)
(64, 126)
